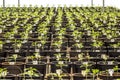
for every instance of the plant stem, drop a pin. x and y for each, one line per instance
(93, 77)
(86, 69)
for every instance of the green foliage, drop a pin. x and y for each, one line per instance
(95, 71)
(97, 44)
(3, 72)
(31, 72)
(116, 68)
(78, 45)
(57, 44)
(13, 57)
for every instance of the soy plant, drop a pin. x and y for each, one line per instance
(58, 20)
(31, 72)
(9, 35)
(85, 26)
(36, 57)
(60, 64)
(42, 41)
(28, 28)
(95, 72)
(58, 56)
(108, 34)
(61, 32)
(36, 20)
(3, 72)
(77, 35)
(116, 68)
(57, 44)
(36, 46)
(49, 17)
(115, 46)
(78, 46)
(13, 59)
(24, 35)
(17, 45)
(114, 35)
(95, 35)
(59, 74)
(61, 61)
(42, 30)
(71, 26)
(59, 35)
(80, 57)
(97, 44)
(57, 25)
(15, 29)
(86, 71)
(105, 58)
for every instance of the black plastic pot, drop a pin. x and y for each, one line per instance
(78, 76)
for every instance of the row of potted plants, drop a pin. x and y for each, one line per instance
(59, 44)
(84, 65)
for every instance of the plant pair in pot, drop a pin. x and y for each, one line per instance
(106, 64)
(36, 57)
(97, 45)
(77, 35)
(60, 37)
(57, 45)
(35, 44)
(105, 58)
(116, 46)
(60, 56)
(84, 65)
(95, 72)
(61, 62)
(42, 42)
(61, 65)
(42, 30)
(15, 29)
(12, 59)
(59, 75)
(17, 45)
(24, 35)
(86, 71)
(108, 33)
(29, 73)
(78, 46)
(62, 31)
(8, 36)
(71, 26)
(3, 72)
(115, 69)
(107, 73)
(114, 35)
(95, 34)
(81, 57)
(57, 26)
